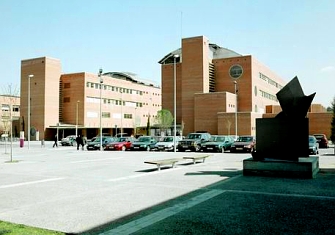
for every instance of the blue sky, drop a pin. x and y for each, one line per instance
(292, 38)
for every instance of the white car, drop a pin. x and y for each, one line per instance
(167, 143)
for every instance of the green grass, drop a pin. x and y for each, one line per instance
(19, 229)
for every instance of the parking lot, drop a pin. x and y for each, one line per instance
(74, 191)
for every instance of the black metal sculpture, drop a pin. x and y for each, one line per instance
(285, 137)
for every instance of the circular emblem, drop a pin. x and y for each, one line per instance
(235, 71)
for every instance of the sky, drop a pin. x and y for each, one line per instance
(292, 38)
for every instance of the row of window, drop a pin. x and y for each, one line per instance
(6, 107)
(115, 88)
(268, 95)
(270, 81)
(125, 115)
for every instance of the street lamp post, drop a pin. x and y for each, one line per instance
(77, 118)
(29, 77)
(121, 127)
(174, 102)
(235, 84)
(101, 82)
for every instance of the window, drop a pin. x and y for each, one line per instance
(106, 114)
(67, 85)
(127, 116)
(16, 108)
(5, 107)
(66, 99)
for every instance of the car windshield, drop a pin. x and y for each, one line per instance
(193, 136)
(219, 139)
(144, 139)
(121, 139)
(168, 139)
(244, 139)
(312, 139)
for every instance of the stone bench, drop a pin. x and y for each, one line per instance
(164, 162)
(197, 157)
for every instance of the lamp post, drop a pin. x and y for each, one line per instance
(77, 117)
(29, 77)
(174, 102)
(235, 84)
(101, 82)
(121, 127)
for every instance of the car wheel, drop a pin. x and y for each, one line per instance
(197, 148)
(222, 150)
(148, 148)
(123, 148)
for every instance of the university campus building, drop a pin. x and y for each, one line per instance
(10, 111)
(216, 86)
(70, 103)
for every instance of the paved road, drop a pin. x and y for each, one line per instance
(96, 192)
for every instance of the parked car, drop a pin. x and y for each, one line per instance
(69, 140)
(193, 141)
(144, 143)
(95, 144)
(313, 145)
(244, 143)
(322, 140)
(167, 143)
(121, 143)
(218, 143)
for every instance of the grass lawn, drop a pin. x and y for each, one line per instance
(19, 229)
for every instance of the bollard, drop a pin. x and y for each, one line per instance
(42, 144)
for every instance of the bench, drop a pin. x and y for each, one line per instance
(197, 157)
(163, 162)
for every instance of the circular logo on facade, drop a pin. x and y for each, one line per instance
(236, 71)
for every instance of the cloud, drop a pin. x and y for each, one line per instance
(328, 69)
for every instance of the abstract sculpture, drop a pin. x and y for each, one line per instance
(285, 137)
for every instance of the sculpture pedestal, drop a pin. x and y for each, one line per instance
(304, 168)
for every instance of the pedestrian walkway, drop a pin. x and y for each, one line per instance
(93, 192)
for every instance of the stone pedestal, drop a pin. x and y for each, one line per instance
(304, 168)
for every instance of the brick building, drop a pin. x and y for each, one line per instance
(216, 86)
(70, 103)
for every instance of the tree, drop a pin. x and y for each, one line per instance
(164, 119)
(332, 135)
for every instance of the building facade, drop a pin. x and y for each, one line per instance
(9, 113)
(70, 103)
(217, 89)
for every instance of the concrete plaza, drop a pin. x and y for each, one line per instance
(93, 192)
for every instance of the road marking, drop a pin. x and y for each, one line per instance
(95, 160)
(148, 220)
(141, 175)
(28, 183)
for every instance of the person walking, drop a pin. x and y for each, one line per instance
(56, 140)
(79, 141)
(83, 142)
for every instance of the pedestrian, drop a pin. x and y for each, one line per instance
(79, 141)
(83, 142)
(55, 143)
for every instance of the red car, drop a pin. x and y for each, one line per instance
(121, 144)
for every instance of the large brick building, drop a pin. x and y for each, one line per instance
(64, 103)
(206, 78)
